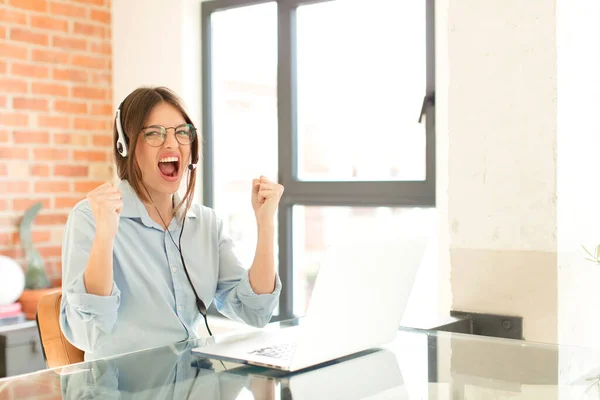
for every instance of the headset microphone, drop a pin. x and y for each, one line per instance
(192, 167)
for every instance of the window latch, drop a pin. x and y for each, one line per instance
(427, 101)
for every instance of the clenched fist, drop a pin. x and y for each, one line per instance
(265, 199)
(106, 202)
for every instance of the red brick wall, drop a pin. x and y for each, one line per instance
(55, 114)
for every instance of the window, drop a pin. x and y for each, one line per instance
(356, 94)
(244, 107)
(335, 100)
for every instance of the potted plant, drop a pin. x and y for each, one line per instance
(37, 283)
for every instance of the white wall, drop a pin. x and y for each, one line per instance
(147, 45)
(518, 91)
(578, 168)
(496, 104)
(157, 43)
(578, 41)
(190, 59)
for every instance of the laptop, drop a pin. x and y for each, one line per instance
(357, 303)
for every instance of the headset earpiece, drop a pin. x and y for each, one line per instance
(121, 142)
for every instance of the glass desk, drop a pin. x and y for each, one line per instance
(416, 365)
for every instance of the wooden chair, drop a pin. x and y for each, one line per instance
(58, 351)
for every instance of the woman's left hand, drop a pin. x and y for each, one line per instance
(265, 199)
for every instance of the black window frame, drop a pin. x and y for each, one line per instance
(321, 193)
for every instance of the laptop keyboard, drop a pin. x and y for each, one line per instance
(282, 351)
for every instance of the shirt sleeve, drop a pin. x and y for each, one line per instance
(235, 298)
(85, 319)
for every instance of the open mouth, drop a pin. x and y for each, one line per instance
(169, 166)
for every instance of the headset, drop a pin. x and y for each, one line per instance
(122, 149)
(121, 142)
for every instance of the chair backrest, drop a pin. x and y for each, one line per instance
(58, 351)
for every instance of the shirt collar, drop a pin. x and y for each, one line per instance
(134, 208)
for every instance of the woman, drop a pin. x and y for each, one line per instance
(141, 264)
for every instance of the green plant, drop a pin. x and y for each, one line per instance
(35, 277)
(595, 382)
(593, 258)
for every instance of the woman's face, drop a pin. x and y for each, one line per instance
(163, 165)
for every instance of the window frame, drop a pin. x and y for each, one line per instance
(317, 193)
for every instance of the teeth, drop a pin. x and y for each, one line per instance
(169, 159)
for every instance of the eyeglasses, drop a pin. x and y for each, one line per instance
(155, 135)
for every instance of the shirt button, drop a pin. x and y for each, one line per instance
(179, 308)
(174, 269)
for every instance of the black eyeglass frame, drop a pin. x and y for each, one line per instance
(163, 133)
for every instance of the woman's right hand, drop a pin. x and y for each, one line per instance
(106, 202)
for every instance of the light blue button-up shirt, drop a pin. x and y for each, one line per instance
(152, 303)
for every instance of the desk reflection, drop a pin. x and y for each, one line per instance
(166, 373)
(175, 373)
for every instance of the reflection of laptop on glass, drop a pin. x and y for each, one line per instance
(357, 303)
(379, 377)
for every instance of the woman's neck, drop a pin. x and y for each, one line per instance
(164, 204)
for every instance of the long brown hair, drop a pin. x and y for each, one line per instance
(134, 111)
